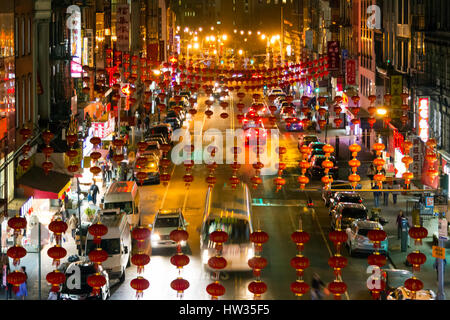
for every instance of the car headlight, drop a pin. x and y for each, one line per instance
(156, 237)
(211, 98)
(205, 256)
(250, 253)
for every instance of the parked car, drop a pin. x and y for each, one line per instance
(165, 222)
(347, 213)
(174, 122)
(351, 197)
(181, 115)
(316, 169)
(70, 289)
(163, 128)
(156, 137)
(337, 184)
(254, 130)
(401, 293)
(305, 140)
(358, 242)
(295, 126)
(151, 169)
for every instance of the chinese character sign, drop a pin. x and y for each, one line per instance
(424, 113)
(333, 55)
(350, 72)
(74, 25)
(122, 27)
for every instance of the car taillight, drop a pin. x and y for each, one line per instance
(360, 201)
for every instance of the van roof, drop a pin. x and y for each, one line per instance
(122, 187)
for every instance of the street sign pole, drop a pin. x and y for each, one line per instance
(441, 292)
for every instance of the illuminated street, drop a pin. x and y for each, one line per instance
(224, 150)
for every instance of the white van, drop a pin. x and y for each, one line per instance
(117, 242)
(123, 195)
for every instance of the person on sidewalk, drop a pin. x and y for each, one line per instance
(23, 289)
(396, 186)
(376, 195)
(73, 224)
(147, 122)
(108, 169)
(94, 190)
(400, 216)
(371, 173)
(435, 266)
(316, 288)
(386, 185)
(8, 285)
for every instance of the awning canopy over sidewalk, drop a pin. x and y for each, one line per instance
(37, 184)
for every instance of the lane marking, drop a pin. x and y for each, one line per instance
(185, 199)
(167, 189)
(326, 243)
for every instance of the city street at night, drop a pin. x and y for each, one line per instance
(159, 150)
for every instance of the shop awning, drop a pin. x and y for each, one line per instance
(40, 186)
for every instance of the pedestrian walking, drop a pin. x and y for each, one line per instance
(376, 195)
(400, 216)
(386, 193)
(5, 283)
(147, 122)
(435, 266)
(108, 171)
(94, 191)
(53, 295)
(23, 289)
(371, 173)
(317, 285)
(73, 224)
(396, 186)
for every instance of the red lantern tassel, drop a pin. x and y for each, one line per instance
(58, 238)
(375, 295)
(337, 272)
(140, 269)
(337, 297)
(416, 267)
(15, 288)
(55, 288)
(139, 294)
(95, 291)
(16, 262)
(97, 240)
(56, 262)
(300, 247)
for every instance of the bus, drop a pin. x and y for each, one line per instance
(229, 210)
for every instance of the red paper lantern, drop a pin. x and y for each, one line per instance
(95, 141)
(139, 284)
(337, 262)
(337, 288)
(55, 278)
(179, 260)
(300, 263)
(98, 230)
(179, 285)
(25, 163)
(300, 238)
(16, 253)
(56, 253)
(257, 264)
(257, 288)
(218, 236)
(377, 259)
(376, 236)
(299, 288)
(217, 263)
(96, 281)
(98, 256)
(338, 237)
(215, 289)
(259, 238)
(16, 278)
(337, 122)
(179, 235)
(140, 260)
(413, 284)
(416, 259)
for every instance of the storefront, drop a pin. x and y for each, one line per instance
(46, 197)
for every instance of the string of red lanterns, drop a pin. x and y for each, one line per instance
(258, 263)
(377, 260)
(327, 164)
(337, 261)
(97, 280)
(304, 165)
(279, 181)
(141, 235)
(379, 162)
(354, 163)
(57, 252)
(217, 262)
(299, 262)
(407, 161)
(16, 252)
(179, 260)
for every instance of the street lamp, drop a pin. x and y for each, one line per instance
(240, 52)
(381, 111)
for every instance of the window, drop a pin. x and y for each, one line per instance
(22, 33)
(29, 97)
(29, 36)
(16, 38)
(399, 11)
(23, 100)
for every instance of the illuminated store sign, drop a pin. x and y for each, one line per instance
(424, 113)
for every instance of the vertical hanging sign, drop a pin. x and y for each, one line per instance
(122, 27)
(333, 55)
(350, 72)
(74, 25)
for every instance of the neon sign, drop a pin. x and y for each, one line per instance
(424, 113)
